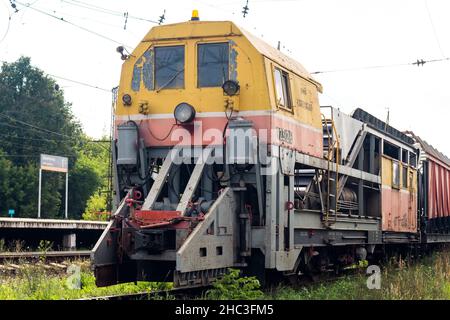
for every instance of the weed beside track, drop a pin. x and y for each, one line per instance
(427, 278)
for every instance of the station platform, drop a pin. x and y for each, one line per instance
(64, 234)
(27, 223)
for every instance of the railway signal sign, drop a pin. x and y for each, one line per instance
(55, 164)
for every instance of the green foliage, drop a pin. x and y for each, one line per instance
(96, 208)
(234, 287)
(27, 95)
(342, 289)
(36, 283)
(44, 247)
(94, 158)
(35, 119)
(400, 280)
(18, 188)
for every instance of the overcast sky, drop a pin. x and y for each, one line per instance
(324, 35)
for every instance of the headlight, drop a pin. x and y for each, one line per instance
(126, 99)
(184, 113)
(230, 87)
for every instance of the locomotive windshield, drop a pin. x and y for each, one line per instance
(169, 67)
(213, 64)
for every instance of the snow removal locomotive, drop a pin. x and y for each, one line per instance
(223, 158)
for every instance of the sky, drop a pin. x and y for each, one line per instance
(368, 45)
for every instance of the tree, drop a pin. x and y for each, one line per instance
(35, 119)
(95, 157)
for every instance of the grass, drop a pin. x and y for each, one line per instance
(428, 279)
(33, 282)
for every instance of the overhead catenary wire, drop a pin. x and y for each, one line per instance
(33, 126)
(20, 155)
(50, 139)
(81, 83)
(42, 130)
(418, 62)
(162, 18)
(245, 9)
(31, 147)
(9, 136)
(434, 28)
(103, 10)
(84, 17)
(61, 19)
(7, 26)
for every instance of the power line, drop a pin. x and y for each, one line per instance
(30, 147)
(61, 19)
(162, 17)
(80, 83)
(418, 63)
(66, 14)
(39, 130)
(30, 155)
(18, 155)
(8, 26)
(434, 28)
(30, 129)
(103, 10)
(43, 139)
(70, 142)
(27, 138)
(245, 9)
(32, 126)
(41, 102)
(74, 81)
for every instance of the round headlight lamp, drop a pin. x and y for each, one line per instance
(126, 99)
(230, 88)
(184, 113)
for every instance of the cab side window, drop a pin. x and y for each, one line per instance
(212, 64)
(169, 67)
(282, 89)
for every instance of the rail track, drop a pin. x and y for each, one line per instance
(11, 263)
(193, 293)
(49, 255)
(176, 293)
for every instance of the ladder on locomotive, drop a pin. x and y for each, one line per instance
(331, 148)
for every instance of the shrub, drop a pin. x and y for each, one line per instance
(234, 287)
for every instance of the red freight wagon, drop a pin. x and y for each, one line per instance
(434, 189)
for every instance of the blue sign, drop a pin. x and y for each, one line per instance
(11, 212)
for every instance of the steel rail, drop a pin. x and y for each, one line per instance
(48, 254)
(175, 292)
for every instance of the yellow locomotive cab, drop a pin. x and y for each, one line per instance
(189, 62)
